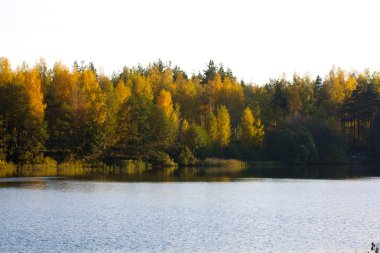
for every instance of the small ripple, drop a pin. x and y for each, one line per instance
(258, 215)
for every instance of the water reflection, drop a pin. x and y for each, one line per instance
(209, 174)
(28, 182)
(228, 174)
(261, 215)
(315, 172)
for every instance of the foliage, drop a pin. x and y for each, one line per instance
(212, 127)
(144, 127)
(294, 147)
(186, 157)
(251, 132)
(159, 114)
(330, 146)
(374, 137)
(195, 137)
(22, 113)
(357, 113)
(4, 138)
(161, 159)
(224, 128)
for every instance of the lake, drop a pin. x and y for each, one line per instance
(194, 210)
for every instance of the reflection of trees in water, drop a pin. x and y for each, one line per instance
(31, 183)
(212, 173)
(314, 172)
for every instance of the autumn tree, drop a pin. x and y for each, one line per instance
(5, 71)
(22, 110)
(115, 97)
(60, 111)
(90, 115)
(231, 95)
(165, 103)
(144, 129)
(76, 112)
(186, 96)
(210, 95)
(140, 86)
(212, 127)
(251, 132)
(154, 112)
(224, 127)
(259, 101)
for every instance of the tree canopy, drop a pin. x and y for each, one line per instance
(159, 113)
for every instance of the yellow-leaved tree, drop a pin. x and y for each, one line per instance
(115, 97)
(212, 127)
(5, 71)
(35, 95)
(90, 116)
(251, 132)
(224, 127)
(164, 101)
(22, 111)
(141, 87)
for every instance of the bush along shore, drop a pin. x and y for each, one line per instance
(161, 116)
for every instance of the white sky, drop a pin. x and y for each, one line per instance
(257, 39)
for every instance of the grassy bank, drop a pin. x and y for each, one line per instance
(7, 169)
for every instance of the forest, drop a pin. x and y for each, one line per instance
(161, 115)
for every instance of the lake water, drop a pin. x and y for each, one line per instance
(236, 212)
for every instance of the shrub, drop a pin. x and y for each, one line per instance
(294, 147)
(186, 157)
(161, 159)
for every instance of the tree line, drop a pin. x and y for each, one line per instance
(161, 115)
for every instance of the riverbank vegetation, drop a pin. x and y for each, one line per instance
(162, 116)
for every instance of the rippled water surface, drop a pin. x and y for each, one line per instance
(243, 215)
